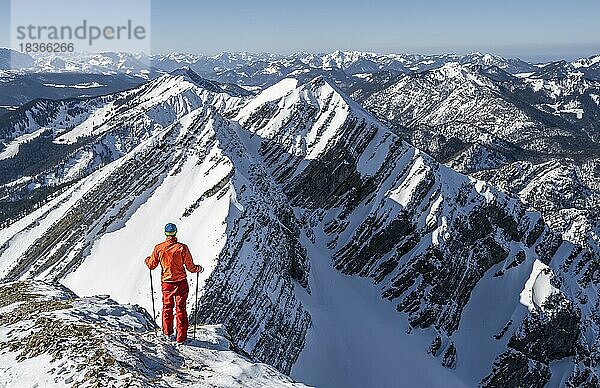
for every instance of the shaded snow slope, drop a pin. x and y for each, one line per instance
(356, 338)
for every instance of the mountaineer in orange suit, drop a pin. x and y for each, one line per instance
(173, 257)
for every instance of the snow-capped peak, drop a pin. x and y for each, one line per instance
(190, 75)
(450, 70)
(272, 93)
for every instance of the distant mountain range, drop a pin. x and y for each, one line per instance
(47, 76)
(262, 69)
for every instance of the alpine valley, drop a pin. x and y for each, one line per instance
(365, 220)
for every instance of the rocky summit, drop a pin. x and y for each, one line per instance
(51, 337)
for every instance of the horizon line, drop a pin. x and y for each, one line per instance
(572, 57)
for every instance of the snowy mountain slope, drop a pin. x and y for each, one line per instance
(499, 130)
(570, 96)
(482, 105)
(391, 213)
(51, 337)
(459, 98)
(224, 298)
(301, 190)
(360, 336)
(76, 136)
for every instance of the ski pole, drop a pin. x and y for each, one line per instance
(153, 308)
(196, 305)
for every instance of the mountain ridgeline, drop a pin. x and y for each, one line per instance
(295, 193)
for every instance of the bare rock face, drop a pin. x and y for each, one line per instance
(261, 312)
(449, 359)
(550, 335)
(514, 369)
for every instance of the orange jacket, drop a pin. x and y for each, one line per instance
(172, 256)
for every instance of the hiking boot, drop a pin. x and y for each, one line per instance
(170, 337)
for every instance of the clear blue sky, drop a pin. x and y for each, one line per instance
(525, 28)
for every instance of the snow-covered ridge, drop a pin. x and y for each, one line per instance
(162, 100)
(523, 135)
(91, 132)
(480, 121)
(184, 170)
(264, 69)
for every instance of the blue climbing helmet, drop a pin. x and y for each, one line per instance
(170, 229)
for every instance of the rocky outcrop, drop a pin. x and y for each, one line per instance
(546, 335)
(549, 335)
(513, 369)
(85, 342)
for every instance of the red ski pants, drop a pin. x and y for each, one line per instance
(175, 295)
